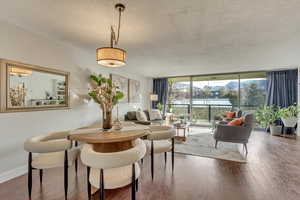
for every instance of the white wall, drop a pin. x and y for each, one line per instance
(20, 45)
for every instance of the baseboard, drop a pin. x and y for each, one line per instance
(13, 173)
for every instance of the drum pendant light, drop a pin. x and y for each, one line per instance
(111, 56)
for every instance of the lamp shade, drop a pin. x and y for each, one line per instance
(153, 97)
(111, 57)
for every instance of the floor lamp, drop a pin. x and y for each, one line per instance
(153, 97)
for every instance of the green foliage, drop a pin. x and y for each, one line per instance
(291, 111)
(160, 106)
(98, 79)
(94, 96)
(267, 115)
(119, 95)
(109, 82)
(233, 97)
(252, 95)
(105, 92)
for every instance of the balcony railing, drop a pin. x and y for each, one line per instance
(201, 113)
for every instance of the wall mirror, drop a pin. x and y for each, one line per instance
(27, 88)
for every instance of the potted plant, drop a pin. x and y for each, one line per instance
(267, 117)
(107, 94)
(289, 115)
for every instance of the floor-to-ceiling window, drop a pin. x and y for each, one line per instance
(252, 90)
(213, 95)
(200, 98)
(179, 95)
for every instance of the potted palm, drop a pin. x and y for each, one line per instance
(104, 92)
(289, 115)
(267, 116)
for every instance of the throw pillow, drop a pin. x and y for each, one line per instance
(141, 116)
(147, 114)
(230, 115)
(236, 122)
(239, 113)
(155, 115)
(131, 115)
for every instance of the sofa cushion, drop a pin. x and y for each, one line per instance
(155, 114)
(141, 116)
(236, 122)
(230, 115)
(239, 113)
(147, 114)
(131, 115)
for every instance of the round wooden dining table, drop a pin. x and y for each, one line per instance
(111, 140)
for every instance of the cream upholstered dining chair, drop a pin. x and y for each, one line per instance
(160, 140)
(53, 150)
(113, 170)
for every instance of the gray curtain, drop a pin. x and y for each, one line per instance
(282, 88)
(160, 87)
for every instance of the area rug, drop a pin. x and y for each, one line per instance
(201, 143)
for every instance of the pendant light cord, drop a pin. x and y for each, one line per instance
(119, 27)
(114, 40)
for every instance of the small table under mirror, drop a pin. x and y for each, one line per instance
(27, 87)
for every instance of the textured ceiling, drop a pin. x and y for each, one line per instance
(173, 37)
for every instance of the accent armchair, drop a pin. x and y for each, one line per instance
(53, 150)
(235, 134)
(160, 140)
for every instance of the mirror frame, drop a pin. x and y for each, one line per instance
(4, 84)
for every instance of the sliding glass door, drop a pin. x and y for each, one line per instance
(179, 97)
(213, 95)
(252, 90)
(201, 98)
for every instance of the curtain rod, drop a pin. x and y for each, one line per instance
(244, 72)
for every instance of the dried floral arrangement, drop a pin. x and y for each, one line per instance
(104, 92)
(17, 95)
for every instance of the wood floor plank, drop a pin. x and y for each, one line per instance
(272, 173)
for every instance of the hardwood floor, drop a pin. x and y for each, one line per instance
(272, 173)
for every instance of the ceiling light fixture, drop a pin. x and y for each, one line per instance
(111, 56)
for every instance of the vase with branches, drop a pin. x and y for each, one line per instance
(107, 94)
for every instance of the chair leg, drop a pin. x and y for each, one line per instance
(246, 148)
(29, 174)
(88, 183)
(66, 164)
(172, 154)
(137, 185)
(76, 161)
(152, 160)
(41, 176)
(101, 195)
(133, 186)
(216, 144)
(165, 158)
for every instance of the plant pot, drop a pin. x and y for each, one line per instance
(289, 122)
(107, 120)
(275, 130)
